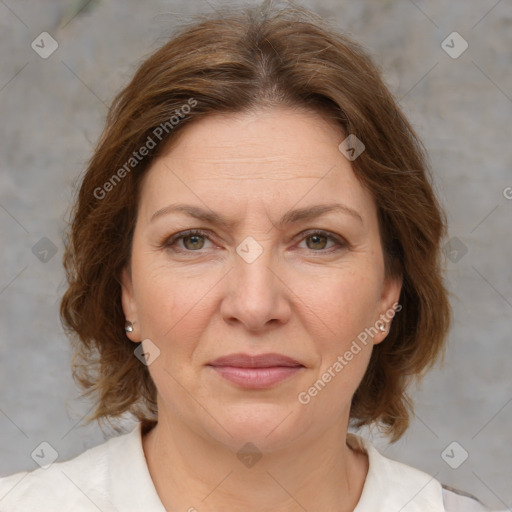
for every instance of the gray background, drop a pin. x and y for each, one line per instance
(52, 111)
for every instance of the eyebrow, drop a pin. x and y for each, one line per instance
(291, 217)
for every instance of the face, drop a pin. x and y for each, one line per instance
(285, 258)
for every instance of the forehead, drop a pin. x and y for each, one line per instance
(280, 157)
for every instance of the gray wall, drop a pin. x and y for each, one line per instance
(52, 111)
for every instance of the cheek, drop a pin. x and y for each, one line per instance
(334, 304)
(170, 304)
(346, 308)
(344, 301)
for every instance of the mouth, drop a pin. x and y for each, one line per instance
(256, 372)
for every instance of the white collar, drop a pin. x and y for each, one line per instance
(130, 482)
(390, 486)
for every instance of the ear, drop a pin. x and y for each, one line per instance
(129, 304)
(389, 305)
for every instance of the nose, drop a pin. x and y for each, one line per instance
(257, 295)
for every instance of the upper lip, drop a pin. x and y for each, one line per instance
(255, 361)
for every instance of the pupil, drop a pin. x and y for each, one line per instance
(316, 238)
(194, 239)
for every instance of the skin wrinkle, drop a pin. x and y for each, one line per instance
(307, 306)
(290, 301)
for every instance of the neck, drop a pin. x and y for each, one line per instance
(194, 473)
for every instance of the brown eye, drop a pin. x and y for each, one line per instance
(186, 241)
(196, 242)
(317, 241)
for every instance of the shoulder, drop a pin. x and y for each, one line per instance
(459, 501)
(79, 483)
(391, 485)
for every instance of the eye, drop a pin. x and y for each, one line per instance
(193, 240)
(319, 239)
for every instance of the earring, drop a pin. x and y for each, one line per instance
(382, 328)
(128, 326)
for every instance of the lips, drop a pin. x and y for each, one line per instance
(255, 371)
(256, 361)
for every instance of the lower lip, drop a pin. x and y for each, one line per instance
(256, 378)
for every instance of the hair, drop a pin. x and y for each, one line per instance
(236, 61)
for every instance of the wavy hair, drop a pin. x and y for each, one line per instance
(237, 60)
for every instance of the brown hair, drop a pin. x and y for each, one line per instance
(235, 61)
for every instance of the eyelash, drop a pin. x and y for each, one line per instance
(168, 243)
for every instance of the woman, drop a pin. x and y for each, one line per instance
(253, 265)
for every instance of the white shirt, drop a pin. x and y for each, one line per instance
(114, 477)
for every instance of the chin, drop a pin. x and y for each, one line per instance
(267, 426)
